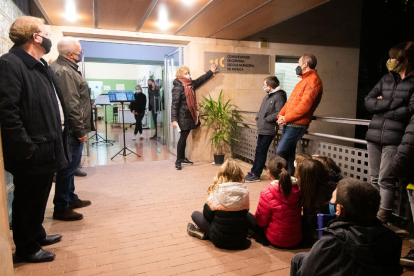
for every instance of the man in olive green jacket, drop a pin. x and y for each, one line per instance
(77, 99)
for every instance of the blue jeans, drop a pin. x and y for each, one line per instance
(263, 144)
(65, 178)
(287, 145)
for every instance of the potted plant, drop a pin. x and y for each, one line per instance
(223, 118)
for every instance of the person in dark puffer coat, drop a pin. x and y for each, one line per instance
(392, 103)
(224, 219)
(184, 116)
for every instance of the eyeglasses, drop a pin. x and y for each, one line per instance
(48, 35)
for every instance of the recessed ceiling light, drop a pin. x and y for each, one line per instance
(163, 23)
(70, 11)
(188, 2)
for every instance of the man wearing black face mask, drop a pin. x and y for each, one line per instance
(76, 94)
(35, 133)
(297, 113)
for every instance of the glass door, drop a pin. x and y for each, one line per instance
(172, 62)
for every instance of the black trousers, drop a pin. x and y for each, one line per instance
(201, 222)
(182, 142)
(296, 263)
(31, 193)
(263, 144)
(138, 124)
(154, 118)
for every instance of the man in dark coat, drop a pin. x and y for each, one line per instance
(35, 133)
(154, 104)
(76, 95)
(356, 242)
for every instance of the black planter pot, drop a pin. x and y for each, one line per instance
(218, 159)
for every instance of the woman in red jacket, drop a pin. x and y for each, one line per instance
(278, 215)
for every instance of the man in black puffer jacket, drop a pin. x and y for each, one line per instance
(392, 103)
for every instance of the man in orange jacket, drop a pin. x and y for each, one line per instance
(297, 113)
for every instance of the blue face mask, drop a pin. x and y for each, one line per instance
(332, 209)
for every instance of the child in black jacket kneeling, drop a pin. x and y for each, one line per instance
(355, 242)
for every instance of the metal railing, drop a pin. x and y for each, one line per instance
(352, 161)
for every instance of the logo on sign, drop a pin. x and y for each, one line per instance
(217, 62)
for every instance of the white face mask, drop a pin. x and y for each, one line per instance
(188, 76)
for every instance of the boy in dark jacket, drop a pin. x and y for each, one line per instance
(267, 127)
(356, 242)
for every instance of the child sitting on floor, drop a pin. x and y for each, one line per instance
(278, 214)
(355, 242)
(333, 170)
(224, 218)
(315, 195)
(299, 158)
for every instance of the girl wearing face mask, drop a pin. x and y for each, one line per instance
(154, 103)
(390, 134)
(137, 108)
(184, 114)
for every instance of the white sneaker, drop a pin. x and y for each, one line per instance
(133, 137)
(141, 137)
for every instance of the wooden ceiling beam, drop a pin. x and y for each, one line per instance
(43, 11)
(147, 13)
(192, 18)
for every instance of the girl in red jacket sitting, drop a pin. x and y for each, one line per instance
(278, 214)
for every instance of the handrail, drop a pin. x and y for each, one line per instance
(330, 120)
(348, 121)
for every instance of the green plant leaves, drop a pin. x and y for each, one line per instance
(223, 118)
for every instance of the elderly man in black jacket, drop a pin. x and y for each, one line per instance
(34, 130)
(76, 96)
(355, 242)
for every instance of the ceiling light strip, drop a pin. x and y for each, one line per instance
(287, 18)
(264, 4)
(147, 13)
(192, 18)
(95, 13)
(43, 11)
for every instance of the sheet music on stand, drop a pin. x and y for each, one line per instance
(102, 100)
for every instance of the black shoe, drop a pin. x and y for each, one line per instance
(178, 165)
(154, 137)
(409, 259)
(252, 178)
(80, 173)
(193, 231)
(50, 239)
(40, 256)
(67, 215)
(79, 204)
(185, 161)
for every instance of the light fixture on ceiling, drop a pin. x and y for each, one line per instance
(188, 2)
(70, 11)
(163, 23)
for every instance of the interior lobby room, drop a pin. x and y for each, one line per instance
(141, 204)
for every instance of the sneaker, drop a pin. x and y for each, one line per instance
(194, 231)
(249, 174)
(409, 259)
(252, 178)
(134, 138)
(141, 137)
(178, 165)
(79, 204)
(67, 215)
(185, 161)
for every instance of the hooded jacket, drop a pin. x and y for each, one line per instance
(280, 216)
(304, 99)
(226, 211)
(348, 248)
(267, 116)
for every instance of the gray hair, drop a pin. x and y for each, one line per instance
(67, 45)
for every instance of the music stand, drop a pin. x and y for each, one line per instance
(104, 101)
(121, 97)
(96, 136)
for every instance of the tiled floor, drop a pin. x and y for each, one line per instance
(137, 222)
